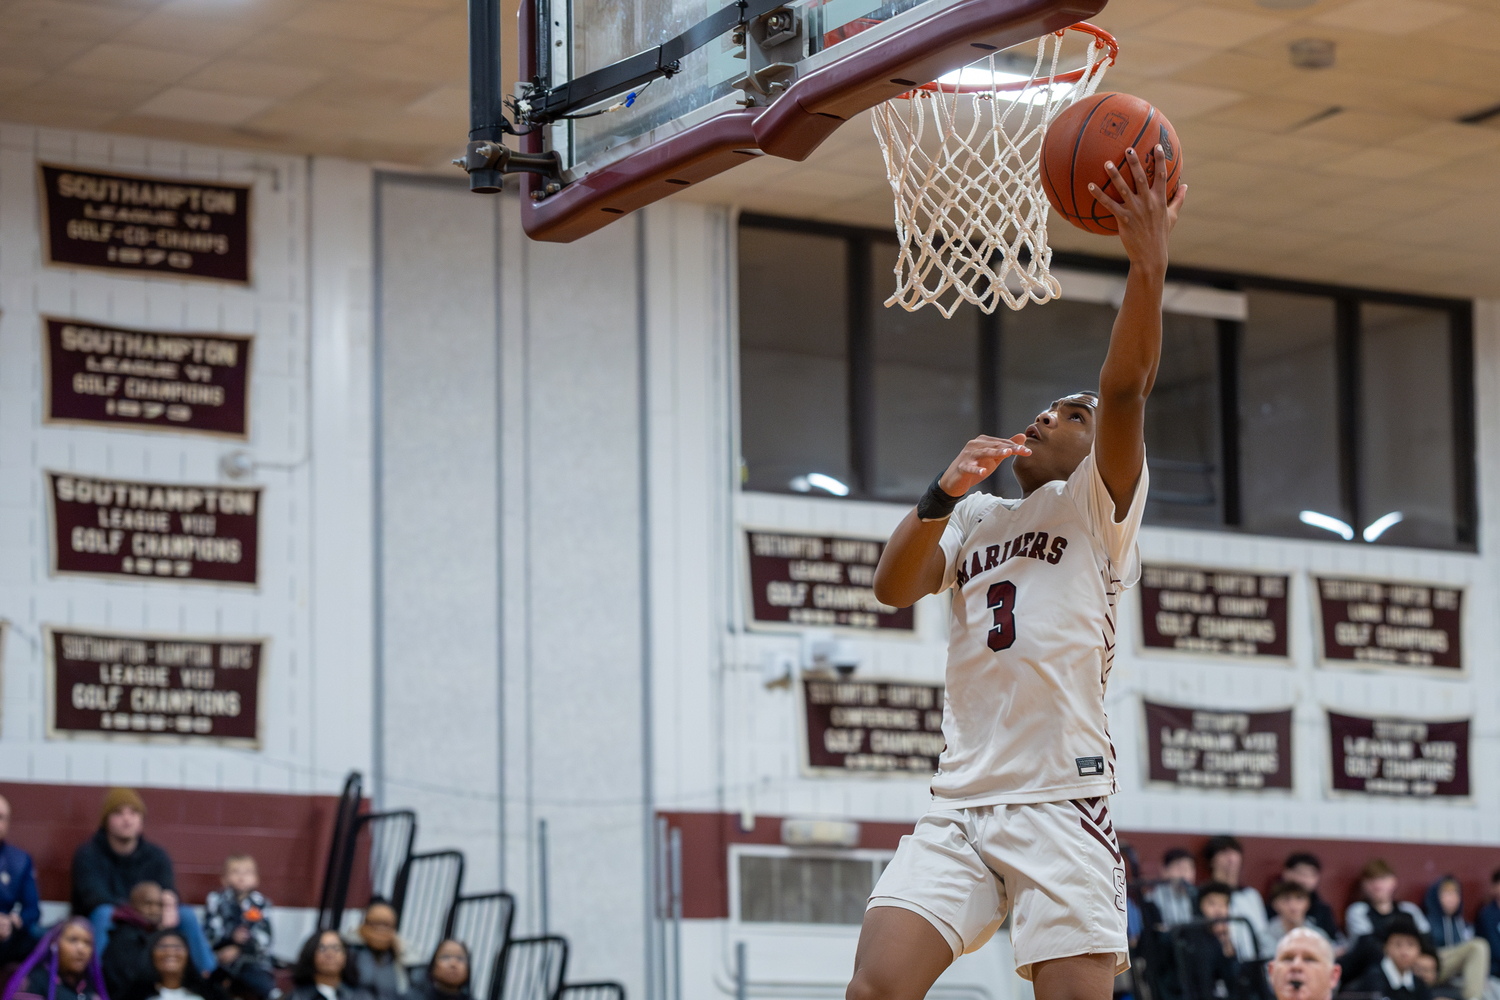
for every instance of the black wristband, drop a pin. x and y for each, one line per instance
(935, 504)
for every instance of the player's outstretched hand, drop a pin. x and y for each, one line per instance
(978, 460)
(1144, 213)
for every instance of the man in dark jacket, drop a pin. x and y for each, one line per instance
(1394, 976)
(115, 860)
(18, 931)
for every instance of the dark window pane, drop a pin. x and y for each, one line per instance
(1289, 435)
(1182, 426)
(1406, 449)
(926, 389)
(794, 408)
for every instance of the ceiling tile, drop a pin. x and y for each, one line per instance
(1148, 57)
(1267, 114)
(444, 102)
(1449, 140)
(1210, 25)
(213, 107)
(1294, 151)
(307, 51)
(42, 54)
(1389, 17)
(254, 78)
(64, 19)
(1125, 18)
(199, 35)
(1386, 164)
(1183, 101)
(104, 95)
(1238, 70)
(362, 22)
(116, 61)
(371, 92)
(1362, 127)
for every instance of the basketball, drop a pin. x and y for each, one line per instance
(1094, 131)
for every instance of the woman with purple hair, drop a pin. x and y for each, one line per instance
(64, 966)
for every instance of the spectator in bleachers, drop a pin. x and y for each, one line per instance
(18, 892)
(376, 957)
(63, 966)
(1426, 970)
(1304, 869)
(1174, 896)
(324, 972)
(1460, 954)
(170, 974)
(239, 928)
(1366, 920)
(117, 858)
(1291, 902)
(127, 956)
(447, 974)
(1225, 859)
(1303, 968)
(1208, 961)
(1487, 925)
(1393, 976)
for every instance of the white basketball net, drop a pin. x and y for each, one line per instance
(963, 165)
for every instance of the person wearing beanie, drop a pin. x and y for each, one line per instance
(117, 858)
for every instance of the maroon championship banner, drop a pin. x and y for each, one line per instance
(1391, 623)
(108, 527)
(1219, 750)
(872, 727)
(121, 222)
(813, 580)
(101, 374)
(179, 687)
(1217, 611)
(1408, 758)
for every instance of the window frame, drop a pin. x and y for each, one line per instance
(1347, 300)
(736, 900)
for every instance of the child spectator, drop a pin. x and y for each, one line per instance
(239, 929)
(127, 957)
(1426, 970)
(1291, 903)
(1304, 869)
(1458, 951)
(1226, 858)
(1393, 977)
(62, 967)
(1488, 922)
(18, 931)
(1174, 896)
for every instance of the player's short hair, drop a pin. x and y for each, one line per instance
(1213, 889)
(1218, 845)
(1288, 889)
(1297, 858)
(1174, 855)
(238, 858)
(1083, 397)
(1375, 868)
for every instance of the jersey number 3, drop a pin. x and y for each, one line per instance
(1002, 601)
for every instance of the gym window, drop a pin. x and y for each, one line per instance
(1280, 408)
(778, 885)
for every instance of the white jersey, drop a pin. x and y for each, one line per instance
(1031, 641)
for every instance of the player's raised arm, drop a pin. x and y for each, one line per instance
(1146, 217)
(912, 565)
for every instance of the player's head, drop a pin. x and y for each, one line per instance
(1303, 968)
(1059, 439)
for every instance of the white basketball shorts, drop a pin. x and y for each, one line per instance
(1057, 863)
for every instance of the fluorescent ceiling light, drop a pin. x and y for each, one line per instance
(1333, 524)
(828, 483)
(982, 76)
(1379, 526)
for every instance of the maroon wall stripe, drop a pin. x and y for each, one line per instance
(706, 838)
(287, 834)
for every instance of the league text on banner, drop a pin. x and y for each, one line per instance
(1402, 757)
(101, 374)
(106, 527)
(1221, 611)
(816, 581)
(201, 689)
(1211, 748)
(872, 726)
(122, 222)
(1394, 623)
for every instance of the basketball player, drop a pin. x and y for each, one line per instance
(1020, 813)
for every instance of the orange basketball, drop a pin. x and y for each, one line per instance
(1089, 133)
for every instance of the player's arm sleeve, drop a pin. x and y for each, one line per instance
(1117, 537)
(960, 523)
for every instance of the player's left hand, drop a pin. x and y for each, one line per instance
(1144, 214)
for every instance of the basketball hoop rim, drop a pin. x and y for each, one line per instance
(1109, 53)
